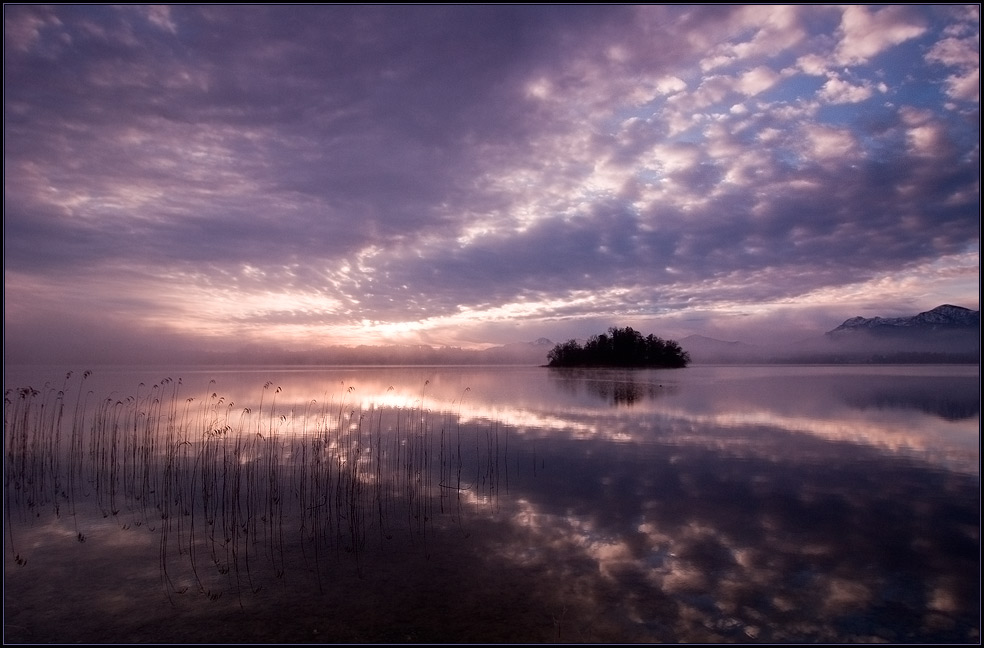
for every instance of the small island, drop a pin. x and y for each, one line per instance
(620, 347)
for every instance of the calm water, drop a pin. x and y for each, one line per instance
(493, 504)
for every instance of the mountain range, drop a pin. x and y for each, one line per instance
(941, 318)
(945, 334)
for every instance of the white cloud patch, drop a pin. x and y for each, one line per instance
(714, 62)
(963, 54)
(959, 52)
(865, 32)
(670, 85)
(756, 81)
(925, 136)
(966, 86)
(713, 90)
(813, 64)
(838, 91)
(779, 28)
(757, 32)
(828, 143)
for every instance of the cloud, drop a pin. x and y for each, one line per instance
(838, 91)
(22, 30)
(749, 33)
(160, 15)
(756, 81)
(864, 34)
(442, 171)
(958, 52)
(813, 64)
(963, 54)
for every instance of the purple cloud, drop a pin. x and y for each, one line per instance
(304, 171)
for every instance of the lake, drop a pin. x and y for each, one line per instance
(756, 504)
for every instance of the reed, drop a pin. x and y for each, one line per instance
(236, 498)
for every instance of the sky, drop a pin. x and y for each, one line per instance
(187, 178)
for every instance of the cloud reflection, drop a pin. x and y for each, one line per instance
(679, 519)
(844, 545)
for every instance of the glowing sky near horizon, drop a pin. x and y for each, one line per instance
(181, 177)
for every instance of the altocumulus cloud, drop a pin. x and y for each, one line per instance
(208, 177)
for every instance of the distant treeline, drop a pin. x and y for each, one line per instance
(623, 347)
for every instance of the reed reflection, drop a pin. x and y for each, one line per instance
(225, 486)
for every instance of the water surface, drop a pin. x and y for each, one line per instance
(510, 504)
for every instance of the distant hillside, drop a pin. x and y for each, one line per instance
(946, 333)
(945, 318)
(518, 353)
(522, 353)
(708, 350)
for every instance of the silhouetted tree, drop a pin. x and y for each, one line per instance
(623, 347)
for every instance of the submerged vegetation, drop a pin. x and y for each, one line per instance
(623, 347)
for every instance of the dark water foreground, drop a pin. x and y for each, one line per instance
(495, 506)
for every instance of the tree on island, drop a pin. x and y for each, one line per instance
(624, 347)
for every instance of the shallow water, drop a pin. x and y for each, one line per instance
(493, 504)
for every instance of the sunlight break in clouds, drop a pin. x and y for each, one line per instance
(477, 175)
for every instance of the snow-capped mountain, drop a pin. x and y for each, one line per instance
(942, 318)
(945, 334)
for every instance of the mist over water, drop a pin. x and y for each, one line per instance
(447, 504)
